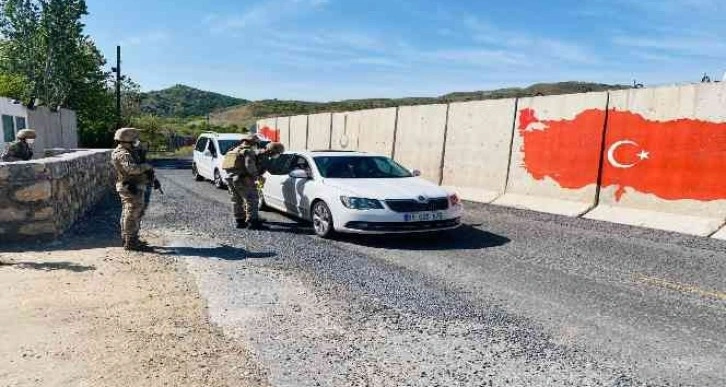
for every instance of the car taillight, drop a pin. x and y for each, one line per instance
(454, 200)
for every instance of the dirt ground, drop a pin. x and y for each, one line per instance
(100, 316)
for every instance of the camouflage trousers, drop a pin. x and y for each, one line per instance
(132, 210)
(245, 198)
(147, 197)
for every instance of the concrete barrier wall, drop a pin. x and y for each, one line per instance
(54, 129)
(268, 128)
(556, 153)
(319, 127)
(69, 127)
(339, 138)
(420, 138)
(664, 159)
(298, 133)
(372, 130)
(39, 119)
(283, 126)
(478, 143)
(657, 164)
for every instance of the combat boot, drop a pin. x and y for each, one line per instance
(132, 243)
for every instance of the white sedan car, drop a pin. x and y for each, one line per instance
(355, 192)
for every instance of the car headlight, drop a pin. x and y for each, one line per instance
(454, 200)
(360, 203)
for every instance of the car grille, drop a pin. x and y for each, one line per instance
(437, 204)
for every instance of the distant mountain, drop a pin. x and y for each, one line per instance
(246, 114)
(185, 101)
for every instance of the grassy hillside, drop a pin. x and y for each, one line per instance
(185, 101)
(248, 113)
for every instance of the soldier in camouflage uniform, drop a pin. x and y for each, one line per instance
(20, 150)
(242, 184)
(131, 181)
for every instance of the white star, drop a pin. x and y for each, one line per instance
(643, 155)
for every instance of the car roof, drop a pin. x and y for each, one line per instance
(336, 153)
(229, 136)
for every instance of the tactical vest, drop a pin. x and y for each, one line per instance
(234, 160)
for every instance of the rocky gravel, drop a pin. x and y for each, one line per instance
(512, 299)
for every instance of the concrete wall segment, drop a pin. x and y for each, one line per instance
(478, 144)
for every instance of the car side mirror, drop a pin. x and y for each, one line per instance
(299, 174)
(416, 173)
(207, 152)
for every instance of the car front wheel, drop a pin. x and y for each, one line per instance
(322, 220)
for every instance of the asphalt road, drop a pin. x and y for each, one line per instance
(513, 298)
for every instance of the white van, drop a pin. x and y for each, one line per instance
(208, 153)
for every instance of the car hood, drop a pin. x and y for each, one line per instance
(396, 188)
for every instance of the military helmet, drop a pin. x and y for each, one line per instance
(251, 138)
(26, 134)
(126, 135)
(275, 147)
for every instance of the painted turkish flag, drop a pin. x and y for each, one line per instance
(677, 159)
(272, 134)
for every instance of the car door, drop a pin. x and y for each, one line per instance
(295, 189)
(276, 176)
(213, 154)
(206, 161)
(199, 159)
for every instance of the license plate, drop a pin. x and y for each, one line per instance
(423, 216)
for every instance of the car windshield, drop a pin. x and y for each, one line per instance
(226, 145)
(359, 167)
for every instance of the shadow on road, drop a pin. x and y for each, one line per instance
(301, 228)
(227, 253)
(465, 237)
(51, 266)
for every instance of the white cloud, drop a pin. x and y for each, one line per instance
(676, 45)
(263, 13)
(378, 61)
(477, 57)
(520, 43)
(148, 38)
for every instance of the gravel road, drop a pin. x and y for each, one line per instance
(513, 298)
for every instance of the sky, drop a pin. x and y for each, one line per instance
(324, 50)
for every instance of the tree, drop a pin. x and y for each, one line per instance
(12, 85)
(45, 56)
(44, 41)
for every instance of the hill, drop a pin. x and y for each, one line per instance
(247, 114)
(185, 101)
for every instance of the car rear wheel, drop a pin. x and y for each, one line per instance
(322, 220)
(218, 179)
(196, 174)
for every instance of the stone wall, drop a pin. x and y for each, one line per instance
(40, 199)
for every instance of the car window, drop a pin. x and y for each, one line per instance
(301, 163)
(359, 167)
(201, 144)
(226, 145)
(212, 148)
(281, 165)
